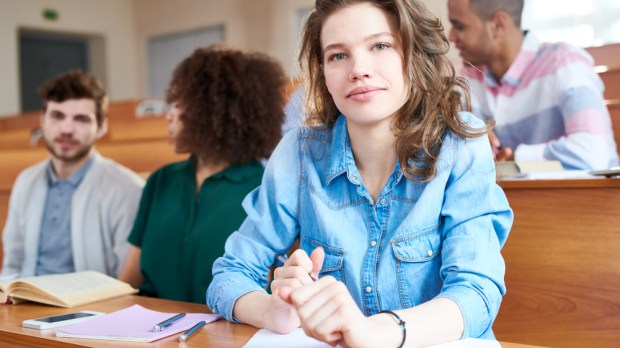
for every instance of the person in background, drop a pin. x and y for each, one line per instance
(74, 210)
(227, 113)
(390, 191)
(545, 98)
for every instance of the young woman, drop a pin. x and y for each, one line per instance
(390, 191)
(227, 113)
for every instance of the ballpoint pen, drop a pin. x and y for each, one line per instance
(164, 324)
(283, 258)
(187, 334)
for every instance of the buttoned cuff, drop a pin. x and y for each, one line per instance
(221, 298)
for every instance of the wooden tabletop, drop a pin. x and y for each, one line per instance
(219, 334)
(598, 182)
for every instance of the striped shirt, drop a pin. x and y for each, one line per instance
(548, 106)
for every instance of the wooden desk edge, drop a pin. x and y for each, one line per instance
(564, 183)
(231, 334)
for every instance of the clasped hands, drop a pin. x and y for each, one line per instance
(324, 308)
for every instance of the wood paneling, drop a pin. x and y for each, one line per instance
(614, 113)
(562, 266)
(611, 80)
(606, 55)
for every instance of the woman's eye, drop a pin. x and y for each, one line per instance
(337, 56)
(381, 46)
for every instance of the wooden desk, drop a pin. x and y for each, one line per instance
(221, 334)
(562, 264)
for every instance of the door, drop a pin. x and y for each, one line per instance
(43, 56)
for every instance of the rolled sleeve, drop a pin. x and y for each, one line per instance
(268, 230)
(472, 266)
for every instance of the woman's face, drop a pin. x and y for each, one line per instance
(363, 64)
(175, 125)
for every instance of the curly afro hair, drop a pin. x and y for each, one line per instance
(231, 104)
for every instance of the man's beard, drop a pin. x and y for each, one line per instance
(82, 151)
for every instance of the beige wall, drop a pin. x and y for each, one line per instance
(113, 20)
(126, 25)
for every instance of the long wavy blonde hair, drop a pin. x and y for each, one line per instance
(436, 95)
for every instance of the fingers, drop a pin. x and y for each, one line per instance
(505, 154)
(299, 270)
(285, 293)
(317, 257)
(325, 308)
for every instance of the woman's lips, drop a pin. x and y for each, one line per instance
(364, 93)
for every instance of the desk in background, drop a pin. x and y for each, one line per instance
(220, 334)
(562, 264)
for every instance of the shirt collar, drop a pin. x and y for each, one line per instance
(341, 153)
(74, 180)
(342, 159)
(236, 173)
(527, 54)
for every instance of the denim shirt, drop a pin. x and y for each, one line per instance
(419, 241)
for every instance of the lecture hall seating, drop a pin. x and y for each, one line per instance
(140, 144)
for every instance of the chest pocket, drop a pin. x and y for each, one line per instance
(333, 264)
(417, 265)
(418, 247)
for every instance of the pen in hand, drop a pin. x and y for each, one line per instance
(283, 258)
(187, 334)
(166, 323)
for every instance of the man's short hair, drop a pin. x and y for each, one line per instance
(76, 84)
(487, 8)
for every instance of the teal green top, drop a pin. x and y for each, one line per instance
(182, 232)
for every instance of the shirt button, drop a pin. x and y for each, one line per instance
(383, 201)
(429, 253)
(373, 243)
(368, 289)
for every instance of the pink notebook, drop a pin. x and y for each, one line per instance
(134, 324)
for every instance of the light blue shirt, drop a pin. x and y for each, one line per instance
(419, 241)
(294, 111)
(55, 251)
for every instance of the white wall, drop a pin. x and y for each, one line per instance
(111, 19)
(160, 17)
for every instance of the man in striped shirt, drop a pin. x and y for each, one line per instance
(545, 98)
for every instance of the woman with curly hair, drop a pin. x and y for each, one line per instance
(227, 114)
(390, 190)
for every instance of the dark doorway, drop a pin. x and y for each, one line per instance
(43, 55)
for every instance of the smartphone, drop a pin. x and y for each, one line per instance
(59, 320)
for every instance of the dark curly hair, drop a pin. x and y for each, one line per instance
(231, 104)
(436, 95)
(76, 84)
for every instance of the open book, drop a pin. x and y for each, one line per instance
(65, 290)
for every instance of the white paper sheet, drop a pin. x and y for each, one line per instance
(298, 339)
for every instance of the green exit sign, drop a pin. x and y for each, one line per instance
(49, 14)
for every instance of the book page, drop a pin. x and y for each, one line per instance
(3, 295)
(70, 289)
